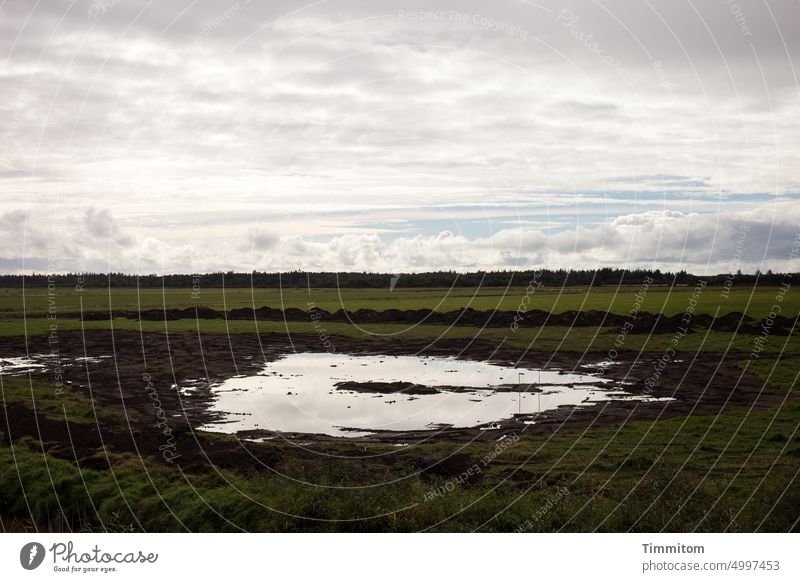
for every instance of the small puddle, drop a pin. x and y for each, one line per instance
(39, 363)
(18, 366)
(348, 395)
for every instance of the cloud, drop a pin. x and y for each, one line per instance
(261, 239)
(227, 119)
(701, 243)
(100, 224)
(20, 236)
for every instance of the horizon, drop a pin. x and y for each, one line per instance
(396, 276)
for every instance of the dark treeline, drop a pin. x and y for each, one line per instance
(300, 279)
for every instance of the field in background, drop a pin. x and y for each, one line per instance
(756, 302)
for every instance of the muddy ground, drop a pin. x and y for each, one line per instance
(144, 364)
(644, 322)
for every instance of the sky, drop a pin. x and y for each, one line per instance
(187, 136)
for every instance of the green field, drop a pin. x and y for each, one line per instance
(737, 471)
(668, 300)
(68, 302)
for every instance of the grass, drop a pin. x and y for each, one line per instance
(756, 302)
(54, 402)
(735, 472)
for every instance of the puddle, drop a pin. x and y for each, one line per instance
(18, 366)
(192, 385)
(91, 359)
(48, 363)
(304, 393)
(39, 363)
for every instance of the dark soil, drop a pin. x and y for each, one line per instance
(701, 384)
(412, 388)
(644, 322)
(386, 387)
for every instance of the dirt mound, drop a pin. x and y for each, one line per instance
(644, 322)
(386, 387)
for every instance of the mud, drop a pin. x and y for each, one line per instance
(387, 387)
(644, 322)
(412, 388)
(701, 384)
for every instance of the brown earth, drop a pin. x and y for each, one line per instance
(644, 322)
(386, 387)
(413, 388)
(700, 383)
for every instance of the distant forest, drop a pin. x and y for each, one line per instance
(301, 279)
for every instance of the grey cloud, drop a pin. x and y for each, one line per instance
(262, 240)
(174, 108)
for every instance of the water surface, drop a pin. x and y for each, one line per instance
(299, 393)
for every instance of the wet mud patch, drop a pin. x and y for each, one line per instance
(185, 369)
(354, 395)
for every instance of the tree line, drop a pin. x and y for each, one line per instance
(350, 280)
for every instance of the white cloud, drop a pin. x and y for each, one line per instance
(701, 243)
(214, 133)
